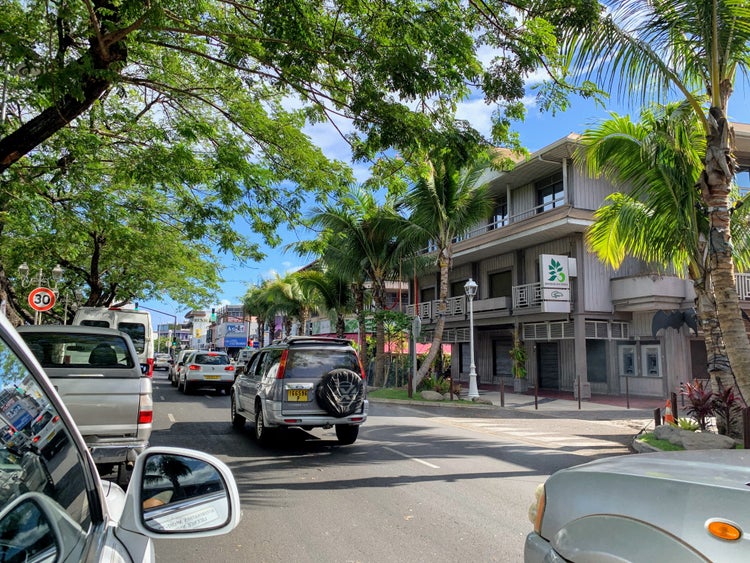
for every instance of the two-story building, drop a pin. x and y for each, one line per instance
(587, 324)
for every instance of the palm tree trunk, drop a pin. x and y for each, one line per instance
(359, 305)
(437, 339)
(378, 294)
(715, 183)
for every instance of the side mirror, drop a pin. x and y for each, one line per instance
(176, 492)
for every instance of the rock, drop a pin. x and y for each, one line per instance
(482, 401)
(693, 440)
(431, 396)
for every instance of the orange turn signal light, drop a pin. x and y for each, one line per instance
(724, 530)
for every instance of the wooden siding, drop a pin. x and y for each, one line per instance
(596, 276)
(586, 192)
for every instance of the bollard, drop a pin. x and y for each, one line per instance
(674, 407)
(657, 416)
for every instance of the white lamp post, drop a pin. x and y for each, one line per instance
(471, 290)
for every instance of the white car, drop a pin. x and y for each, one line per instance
(205, 368)
(55, 507)
(162, 361)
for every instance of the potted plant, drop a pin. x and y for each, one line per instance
(519, 356)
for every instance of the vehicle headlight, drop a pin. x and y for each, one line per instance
(536, 510)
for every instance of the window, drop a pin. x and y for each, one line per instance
(596, 361)
(137, 333)
(501, 284)
(500, 216)
(549, 193)
(457, 288)
(427, 294)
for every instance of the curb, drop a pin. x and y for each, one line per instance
(435, 403)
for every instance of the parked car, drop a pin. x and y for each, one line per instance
(205, 368)
(673, 506)
(45, 433)
(58, 509)
(302, 381)
(162, 361)
(98, 374)
(179, 362)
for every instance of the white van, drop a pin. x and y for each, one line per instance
(134, 323)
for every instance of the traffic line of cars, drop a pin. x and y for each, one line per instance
(54, 506)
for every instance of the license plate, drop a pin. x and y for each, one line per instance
(296, 395)
(211, 377)
(52, 435)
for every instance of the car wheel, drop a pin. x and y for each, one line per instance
(187, 387)
(181, 385)
(347, 433)
(262, 434)
(173, 380)
(340, 392)
(238, 421)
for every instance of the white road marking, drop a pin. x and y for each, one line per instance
(423, 462)
(171, 418)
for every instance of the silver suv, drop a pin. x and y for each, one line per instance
(302, 381)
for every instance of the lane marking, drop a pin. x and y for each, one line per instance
(423, 462)
(171, 418)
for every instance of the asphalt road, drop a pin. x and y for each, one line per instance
(420, 484)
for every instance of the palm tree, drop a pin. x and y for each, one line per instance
(442, 205)
(363, 247)
(694, 47)
(658, 162)
(334, 294)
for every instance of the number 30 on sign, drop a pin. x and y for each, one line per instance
(42, 299)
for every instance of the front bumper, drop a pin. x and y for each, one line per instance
(538, 550)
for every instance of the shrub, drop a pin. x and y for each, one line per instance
(726, 406)
(701, 403)
(687, 424)
(442, 385)
(427, 383)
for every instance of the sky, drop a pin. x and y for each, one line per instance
(537, 131)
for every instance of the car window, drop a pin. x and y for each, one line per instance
(271, 364)
(137, 333)
(211, 359)
(98, 324)
(315, 363)
(252, 368)
(52, 466)
(63, 350)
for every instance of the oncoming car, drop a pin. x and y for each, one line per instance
(686, 506)
(303, 381)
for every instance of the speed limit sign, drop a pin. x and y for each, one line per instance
(42, 299)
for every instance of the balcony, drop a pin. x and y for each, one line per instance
(457, 309)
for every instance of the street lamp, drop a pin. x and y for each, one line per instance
(471, 290)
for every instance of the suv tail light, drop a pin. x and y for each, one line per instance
(282, 365)
(150, 362)
(145, 409)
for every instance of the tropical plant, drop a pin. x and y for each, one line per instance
(334, 294)
(658, 216)
(518, 356)
(700, 403)
(652, 48)
(443, 204)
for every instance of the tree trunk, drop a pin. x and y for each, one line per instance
(437, 339)
(715, 183)
(378, 294)
(359, 306)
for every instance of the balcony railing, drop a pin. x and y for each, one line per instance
(742, 282)
(527, 296)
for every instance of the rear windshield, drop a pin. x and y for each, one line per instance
(60, 350)
(137, 333)
(313, 364)
(211, 359)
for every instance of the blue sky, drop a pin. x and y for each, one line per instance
(538, 130)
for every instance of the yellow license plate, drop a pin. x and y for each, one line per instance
(211, 377)
(296, 395)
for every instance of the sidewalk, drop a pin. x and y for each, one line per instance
(637, 412)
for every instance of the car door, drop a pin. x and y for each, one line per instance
(248, 383)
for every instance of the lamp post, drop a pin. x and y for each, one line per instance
(471, 290)
(40, 281)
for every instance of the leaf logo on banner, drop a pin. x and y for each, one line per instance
(556, 271)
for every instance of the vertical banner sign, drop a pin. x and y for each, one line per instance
(555, 282)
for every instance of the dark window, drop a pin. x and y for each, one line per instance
(62, 350)
(137, 333)
(501, 284)
(502, 360)
(596, 361)
(427, 294)
(314, 364)
(209, 359)
(99, 324)
(457, 288)
(549, 193)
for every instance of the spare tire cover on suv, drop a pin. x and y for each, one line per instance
(340, 392)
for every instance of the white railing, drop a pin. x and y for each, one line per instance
(742, 282)
(526, 296)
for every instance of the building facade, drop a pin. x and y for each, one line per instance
(596, 331)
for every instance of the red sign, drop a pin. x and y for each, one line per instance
(42, 299)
